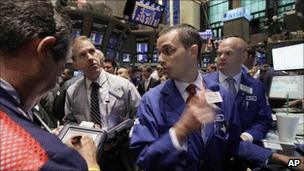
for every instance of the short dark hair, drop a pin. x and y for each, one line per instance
(251, 51)
(146, 67)
(187, 35)
(112, 61)
(22, 21)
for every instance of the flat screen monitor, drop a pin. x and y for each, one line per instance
(142, 58)
(77, 24)
(142, 47)
(260, 58)
(126, 57)
(154, 57)
(111, 53)
(147, 13)
(206, 60)
(288, 57)
(283, 85)
(114, 40)
(98, 30)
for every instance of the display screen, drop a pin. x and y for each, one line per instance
(98, 30)
(111, 53)
(142, 47)
(126, 57)
(261, 58)
(142, 58)
(288, 57)
(206, 60)
(283, 85)
(147, 13)
(113, 41)
(77, 22)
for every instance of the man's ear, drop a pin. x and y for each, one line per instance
(194, 50)
(44, 47)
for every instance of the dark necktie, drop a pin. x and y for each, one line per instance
(231, 86)
(191, 90)
(94, 105)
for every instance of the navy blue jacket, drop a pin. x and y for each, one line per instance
(253, 108)
(45, 150)
(161, 108)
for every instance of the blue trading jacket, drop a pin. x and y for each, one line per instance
(253, 108)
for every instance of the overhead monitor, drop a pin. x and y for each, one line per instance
(142, 58)
(77, 24)
(114, 39)
(98, 30)
(111, 53)
(142, 47)
(288, 57)
(261, 58)
(147, 13)
(283, 85)
(206, 59)
(126, 57)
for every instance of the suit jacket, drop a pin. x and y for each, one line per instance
(141, 86)
(253, 107)
(119, 100)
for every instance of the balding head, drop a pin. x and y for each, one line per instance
(230, 55)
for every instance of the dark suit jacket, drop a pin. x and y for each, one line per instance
(141, 86)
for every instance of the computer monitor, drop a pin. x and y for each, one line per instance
(288, 57)
(77, 24)
(126, 57)
(142, 47)
(283, 85)
(98, 30)
(142, 58)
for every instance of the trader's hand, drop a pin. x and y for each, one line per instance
(197, 113)
(86, 147)
(283, 159)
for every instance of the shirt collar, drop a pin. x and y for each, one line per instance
(237, 77)
(181, 86)
(10, 89)
(98, 80)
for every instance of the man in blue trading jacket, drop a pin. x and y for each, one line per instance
(250, 97)
(175, 128)
(34, 41)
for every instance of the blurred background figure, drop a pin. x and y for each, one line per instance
(110, 65)
(123, 72)
(147, 81)
(211, 68)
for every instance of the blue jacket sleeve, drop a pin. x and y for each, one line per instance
(263, 123)
(154, 151)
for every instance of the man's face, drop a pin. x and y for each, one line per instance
(230, 56)
(173, 56)
(145, 73)
(86, 58)
(123, 72)
(108, 67)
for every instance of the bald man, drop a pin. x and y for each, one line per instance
(250, 97)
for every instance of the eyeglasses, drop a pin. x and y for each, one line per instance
(166, 50)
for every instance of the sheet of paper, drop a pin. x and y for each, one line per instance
(271, 145)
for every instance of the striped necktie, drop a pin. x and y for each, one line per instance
(94, 105)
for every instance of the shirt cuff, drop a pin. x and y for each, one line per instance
(179, 146)
(249, 136)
